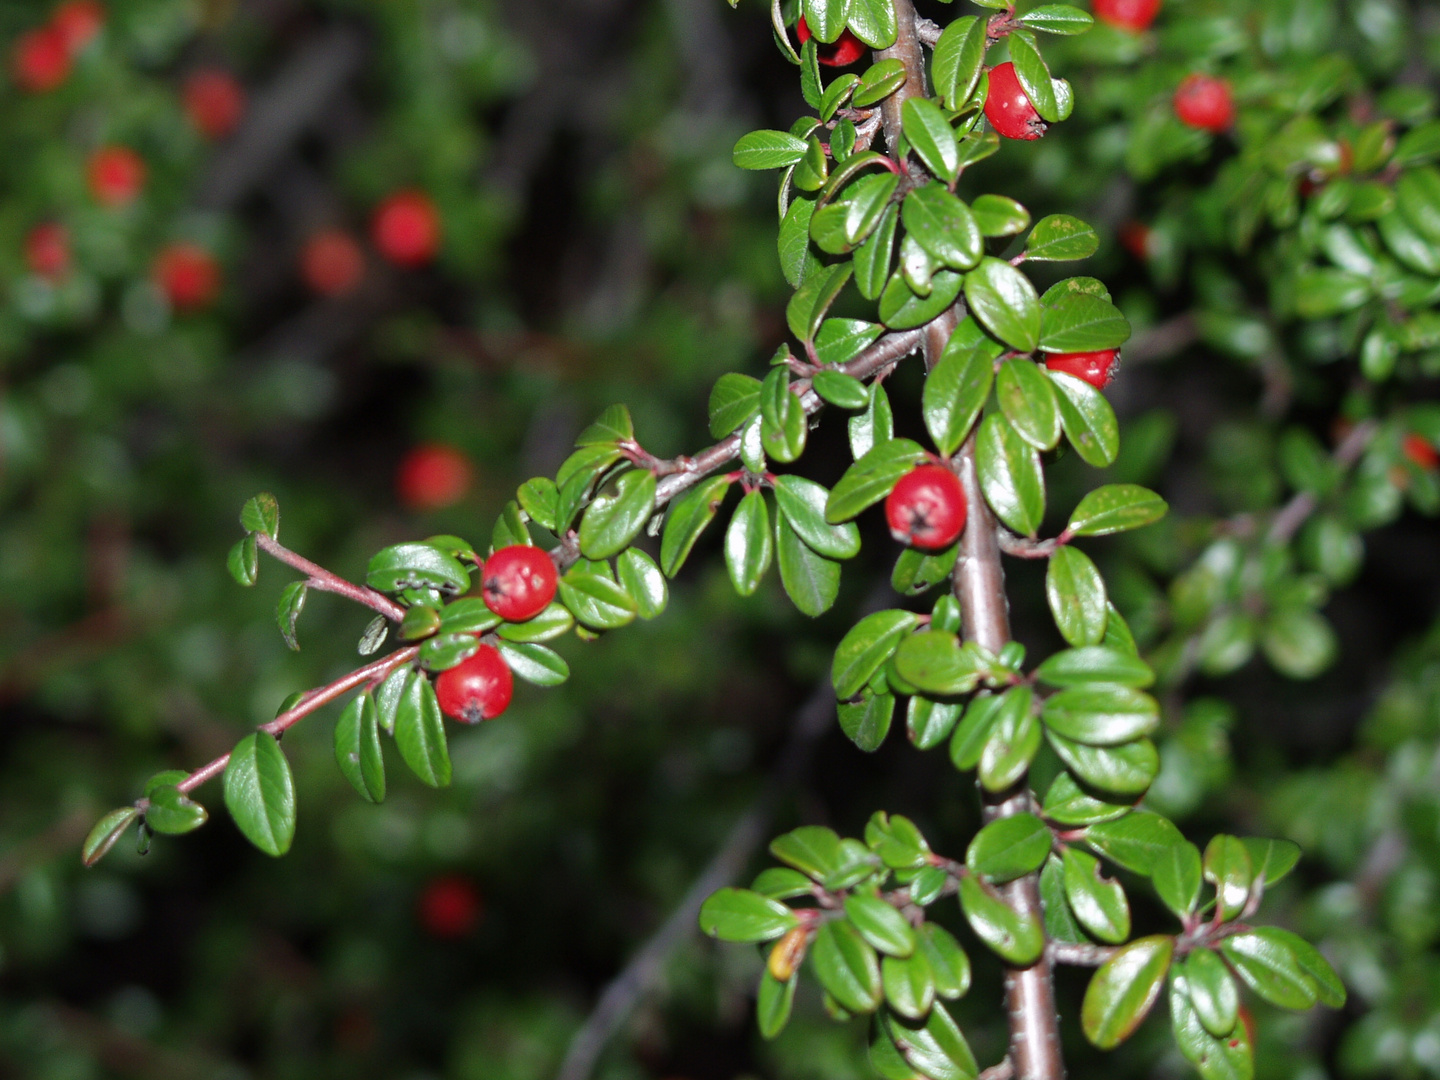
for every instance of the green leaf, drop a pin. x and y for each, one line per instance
(773, 1003)
(260, 793)
(873, 258)
(1034, 75)
(261, 514)
(866, 722)
(846, 966)
(955, 391)
(807, 307)
(802, 503)
(936, 1048)
(1269, 966)
(388, 696)
(812, 849)
(810, 73)
(243, 562)
(810, 580)
(931, 136)
(1098, 902)
(420, 732)
(1017, 938)
(641, 578)
(768, 150)
(1175, 872)
(880, 924)
(1417, 194)
(415, 566)
(1010, 475)
(374, 636)
(1119, 770)
(1061, 238)
(1004, 301)
(1082, 323)
(748, 547)
(1013, 741)
(1009, 847)
(781, 883)
(834, 96)
(1135, 841)
(357, 748)
(613, 426)
(1101, 714)
(1123, 990)
(841, 390)
(939, 222)
(535, 663)
(973, 732)
(784, 426)
(929, 723)
(879, 82)
(1226, 1058)
(742, 915)
(596, 601)
(935, 662)
(1067, 803)
(287, 611)
(1076, 593)
(949, 966)
(1058, 19)
(103, 836)
(872, 477)
(873, 22)
(1088, 420)
(445, 651)
(1028, 401)
(792, 243)
(734, 400)
(540, 498)
(1320, 293)
(866, 648)
(1271, 859)
(1212, 990)
(687, 519)
(1298, 642)
(826, 18)
(956, 64)
(611, 521)
(1329, 990)
(1227, 867)
(902, 309)
(172, 813)
(840, 341)
(908, 984)
(1116, 508)
(919, 571)
(999, 215)
(554, 621)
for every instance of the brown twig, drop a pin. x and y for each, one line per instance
(1079, 955)
(317, 577)
(1295, 512)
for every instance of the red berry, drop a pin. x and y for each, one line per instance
(432, 477)
(332, 262)
(1135, 238)
(519, 582)
(47, 250)
(1203, 101)
(78, 21)
(406, 228)
(476, 689)
(927, 508)
(1096, 368)
(1134, 15)
(1421, 451)
(116, 175)
(214, 101)
(844, 50)
(40, 60)
(188, 275)
(450, 907)
(1008, 107)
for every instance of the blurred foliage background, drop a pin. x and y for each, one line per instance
(596, 245)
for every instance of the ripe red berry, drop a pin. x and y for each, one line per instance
(927, 508)
(78, 21)
(188, 275)
(519, 582)
(406, 228)
(476, 689)
(1420, 451)
(1096, 368)
(450, 907)
(332, 263)
(47, 250)
(116, 174)
(214, 101)
(1008, 108)
(1203, 101)
(432, 477)
(844, 50)
(1133, 15)
(1135, 238)
(40, 60)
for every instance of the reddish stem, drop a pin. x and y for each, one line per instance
(317, 577)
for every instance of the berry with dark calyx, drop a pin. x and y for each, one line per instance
(450, 907)
(519, 582)
(214, 101)
(332, 263)
(1204, 102)
(188, 275)
(406, 229)
(1008, 108)
(1420, 451)
(432, 476)
(1132, 15)
(40, 60)
(476, 689)
(116, 174)
(841, 52)
(926, 509)
(47, 251)
(78, 22)
(1096, 368)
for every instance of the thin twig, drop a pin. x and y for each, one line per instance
(1004, 1071)
(1079, 955)
(1022, 547)
(1294, 513)
(317, 577)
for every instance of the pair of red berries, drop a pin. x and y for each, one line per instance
(405, 229)
(519, 582)
(42, 57)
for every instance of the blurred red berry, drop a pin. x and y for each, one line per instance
(47, 250)
(406, 229)
(214, 101)
(40, 60)
(1008, 108)
(476, 689)
(1135, 238)
(450, 907)
(844, 50)
(432, 477)
(1133, 15)
(1421, 451)
(1203, 101)
(188, 275)
(926, 509)
(332, 262)
(78, 21)
(519, 582)
(1096, 368)
(116, 175)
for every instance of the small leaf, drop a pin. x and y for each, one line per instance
(243, 562)
(748, 546)
(1017, 938)
(873, 22)
(1061, 238)
(612, 521)
(872, 477)
(1119, 770)
(1058, 19)
(1009, 847)
(687, 519)
(1098, 903)
(880, 924)
(1010, 475)
(810, 580)
(1067, 803)
(1076, 593)
(734, 400)
(802, 502)
(1135, 841)
(1123, 990)
(1034, 75)
(374, 636)
(956, 64)
(937, 1048)
(866, 722)
(357, 748)
(935, 662)
(1175, 871)
(812, 849)
(939, 222)
(613, 426)
(1013, 741)
(768, 150)
(929, 723)
(1004, 301)
(1229, 1057)
(1227, 867)
(171, 812)
(1272, 859)
(1080, 322)
(420, 732)
(1269, 967)
(641, 578)
(873, 257)
(784, 426)
(1027, 399)
(866, 648)
(261, 515)
(806, 309)
(878, 82)
(1088, 420)
(908, 984)
(931, 136)
(1213, 993)
(1101, 714)
(540, 498)
(1098, 663)
(955, 392)
(554, 621)
(742, 915)
(106, 832)
(842, 391)
(260, 793)
(534, 663)
(413, 566)
(1116, 508)
(846, 967)
(949, 966)
(596, 602)
(292, 602)
(773, 1004)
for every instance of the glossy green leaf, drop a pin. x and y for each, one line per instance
(103, 836)
(261, 514)
(936, 1048)
(260, 793)
(611, 521)
(1329, 990)
(1299, 642)
(1010, 475)
(1080, 322)
(792, 242)
(872, 258)
(810, 580)
(420, 732)
(734, 400)
(955, 391)
(1271, 859)
(1061, 238)
(929, 723)
(1136, 840)
(1175, 871)
(1009, 847)
(1028, 401)
(878, 82)
(880, 924)
(812, 849)
(1013, 741)
(614, 425)
(287, 611)
(1269, 967)
(1067, 803)
(1227, 867)
(1088, 420)
(1034, 75)
(919, 571)
(999, 215)
(1099, 663)
(784, 425)
(807, 307)
(539, 498)
(935, 662)
(1212, 990)
(243, 562)
(1225, 1058)
(388, 696)
(357, 748)
(940, 222)
(933, 139)
(534, 663)
(1058, 19)
(1016, 938)
(973, 732)
(173, 813)
(773, 1004)
(872, 477)
(742, 915)
(687, 519)
(554, 621)
(1116, 508)
(768, 150)
(748, 545)
(1076, 593)
(1123, 990)
(1098, 902)
(846, 967)
(840, 390)
(949, 966)
(873, 22)
(781, 883)
(802, 502)
(866, 722)
(1004, 301)
(445, 651)
(641, 578)
(595, 601)
(956, 65)
(902, 309)
(1101, 714)
(1118, 770)
(409, 566)
(866, 648)
(908, 984)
